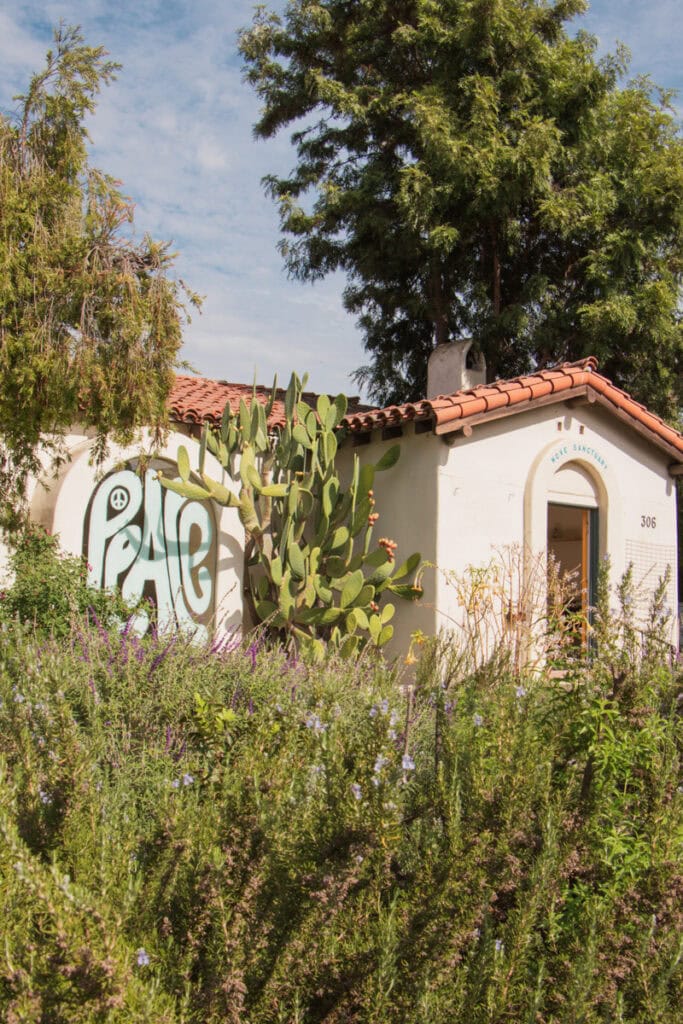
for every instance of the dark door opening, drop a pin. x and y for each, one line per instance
(573, 544)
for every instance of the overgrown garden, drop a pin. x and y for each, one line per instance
(234, 834)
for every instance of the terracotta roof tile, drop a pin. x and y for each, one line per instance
(200, 400)
(451, 412)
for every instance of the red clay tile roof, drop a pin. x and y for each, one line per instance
(199, 399)
(462, 409)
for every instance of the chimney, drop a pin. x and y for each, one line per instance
(455, 366)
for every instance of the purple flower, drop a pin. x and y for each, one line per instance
(142, 957)
(373, 712)
(313, 722)
(380, 761)
(160, 657)
(176, 783)
(478, 720)
(407, 763)
(384, 706)
(520, 692)
(356, 790)
(499, 945)
(188, 779)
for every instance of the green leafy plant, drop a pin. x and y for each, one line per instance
(313, 573)
(224, 836)
(48, 588)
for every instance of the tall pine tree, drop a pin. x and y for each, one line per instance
(477, 172)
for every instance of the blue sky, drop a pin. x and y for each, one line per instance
(175, 128)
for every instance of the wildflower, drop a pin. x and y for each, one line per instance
(314, 722)
(380, 762)
(391, 734)
(478, 720)
(356, 790)
(373, 711)
(142, 957)
(499, 945)
(407, 763)
(188, 779)
(176, 783)
(409, 659)
(45, 797)
(520, 692)
(393, 718)
(384, 706)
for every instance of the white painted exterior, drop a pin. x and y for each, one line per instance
(447, 369)
(459, 500)
(60, 502)
(455, 499)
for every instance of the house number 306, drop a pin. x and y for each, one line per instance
(648, 522)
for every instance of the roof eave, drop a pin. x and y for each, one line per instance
(581, 394)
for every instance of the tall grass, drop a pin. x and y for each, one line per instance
(231, 835)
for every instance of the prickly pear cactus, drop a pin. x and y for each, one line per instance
(313, 572)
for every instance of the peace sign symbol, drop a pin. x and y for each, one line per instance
(119, 498)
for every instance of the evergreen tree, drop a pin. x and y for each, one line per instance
(90, 322)
(477, 171)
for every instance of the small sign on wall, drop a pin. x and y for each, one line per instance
(154, 544)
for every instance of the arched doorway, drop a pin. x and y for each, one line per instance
(573, 546)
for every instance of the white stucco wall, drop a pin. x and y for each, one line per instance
(406, 497)
(466, 501)
(456, 500)
(494, 488)
(60, 504)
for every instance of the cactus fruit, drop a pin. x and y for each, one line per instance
(312, 573)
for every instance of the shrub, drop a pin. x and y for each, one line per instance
(233, 835)
(49, 588)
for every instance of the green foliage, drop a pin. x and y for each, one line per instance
(90, 322)
(311, 572)
(49, 589)
(231, 835)
(476, 172)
